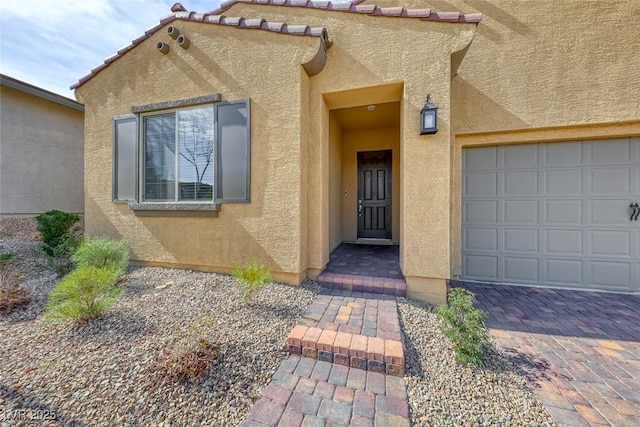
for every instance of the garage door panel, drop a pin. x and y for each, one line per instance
(481, 266)
(480, 158)
(611, 181)
(521, 183)
(563, 154)
(520, 156)
(521, 240)
(610, 212)
(553, 214)
(610, 243)
(521, 212)
(481, 239)
(563, 182)
(611, 274)
(564, 271)
(564, 212)
(610, 152)
(564, 242)
(481, 212)
(481, 184)
(521, 270)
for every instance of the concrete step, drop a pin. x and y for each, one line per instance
(358, 283)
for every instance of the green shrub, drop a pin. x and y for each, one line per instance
(54, 226)
(190, 354)
(465, 327)
(251, 279)
(102, 252)
(84, 294)
(5, 257)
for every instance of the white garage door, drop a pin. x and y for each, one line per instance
(553, 214)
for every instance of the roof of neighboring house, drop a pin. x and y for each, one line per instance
(217, 18)
(39, 92)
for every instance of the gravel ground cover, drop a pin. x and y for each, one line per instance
(98, 374)
(442, 393)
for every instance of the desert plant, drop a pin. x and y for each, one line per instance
(12, 295)
(190, 354)
(54, 226)
(5, 257)
(102, 252)
(465, 327)
(84, 294)
(251, 279)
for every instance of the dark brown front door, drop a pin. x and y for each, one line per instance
(374, 195)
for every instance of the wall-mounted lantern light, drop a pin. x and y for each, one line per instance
(428, 117)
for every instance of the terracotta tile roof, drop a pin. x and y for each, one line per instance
(216, 17)
(180, 14)
(355, 7)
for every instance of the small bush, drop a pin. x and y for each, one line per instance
(465, 327)
(84, 294)
(251, 279)
(54, 226)
(102, 252)
(190, 355)
(12, 295)
(5, 257)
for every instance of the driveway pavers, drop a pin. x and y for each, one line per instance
(579, 350)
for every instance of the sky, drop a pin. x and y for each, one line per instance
(53, 43)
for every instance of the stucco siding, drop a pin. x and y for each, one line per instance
(41, 155)
(217, 61)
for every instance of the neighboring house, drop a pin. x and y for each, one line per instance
(41, 150)
(277, 130)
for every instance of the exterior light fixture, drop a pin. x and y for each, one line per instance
(428, 117)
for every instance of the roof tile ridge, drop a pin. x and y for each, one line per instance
(355, 6)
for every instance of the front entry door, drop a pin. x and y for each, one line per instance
(374, 195)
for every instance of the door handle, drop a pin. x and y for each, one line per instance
(359, 207)
(635, 211)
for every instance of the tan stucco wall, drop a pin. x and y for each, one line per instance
(41, 155)
(287, 224)
(368, 140)
(534, 69)
(366, 55)
(263, 66)
(336, 204)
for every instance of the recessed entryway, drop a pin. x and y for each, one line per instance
(364, 175)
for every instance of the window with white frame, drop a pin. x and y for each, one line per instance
(188, 155)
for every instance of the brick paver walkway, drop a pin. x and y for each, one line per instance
(307, 392)
(365, 268)
(360, 331)
(579, 350)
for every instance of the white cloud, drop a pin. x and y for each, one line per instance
(53, 43)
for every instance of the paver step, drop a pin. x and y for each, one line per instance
(357, 283)
(310, 392)
(356, 332)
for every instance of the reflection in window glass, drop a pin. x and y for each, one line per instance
(195, 148)
(159, 168)
(178, 153)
